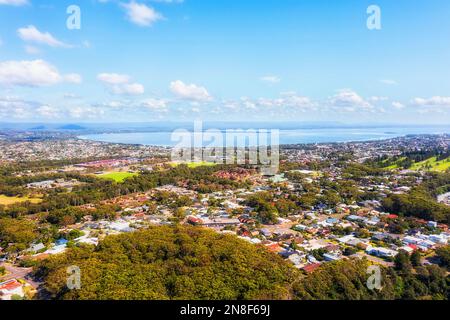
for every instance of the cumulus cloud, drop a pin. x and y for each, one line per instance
(155, 104)
(271, 79)
(141, 14)
(85, 112)
(113, 78)
(349, 100)
(48, 112)
(121, 84)
(189, 91)
(32, 34)
(132, 89)
(32, 73)
(13, 107)
(398, 105)
(433, 101)
(73, 78)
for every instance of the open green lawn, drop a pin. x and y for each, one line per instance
(432, 164)
(194, 164)
(117, 176)
(5, 200)
(395, 165)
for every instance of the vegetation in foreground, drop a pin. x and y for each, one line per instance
(194, 263)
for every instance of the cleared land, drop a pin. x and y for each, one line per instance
(432, 164)
(117, 176)
(429, 165)
(194, 164)
(6, 201)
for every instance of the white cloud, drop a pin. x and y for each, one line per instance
(349, 100)
(48, 112)
(155, 104)
(73, 78)
(32, 73)
(113, 78)
(14, 2)
(13, 107)
(270, 79)
(398, 105)
(32, 34)
(189, 91)
(85, 112)
(120, 84)
(378, 99)
(389, 82)
(131, 89)
(433, 101)
(141, 14)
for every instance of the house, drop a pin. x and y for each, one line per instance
(10, 288)
(310, 268)
(296, 259)
(61, 242)
(331, 257)
(432, 224)
(36, 247)
(407, 249)
(440, 239)
(381, 252)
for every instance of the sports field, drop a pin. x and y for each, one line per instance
(194, 164)
(117, 176)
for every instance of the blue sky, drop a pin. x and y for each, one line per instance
(155, 60)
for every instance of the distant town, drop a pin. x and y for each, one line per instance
(329, 202)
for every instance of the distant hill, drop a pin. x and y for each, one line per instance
(39, 128)
(71, 127)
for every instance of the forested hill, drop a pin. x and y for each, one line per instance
(177, 262)
(171, 263)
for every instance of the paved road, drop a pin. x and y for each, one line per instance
(14, 272)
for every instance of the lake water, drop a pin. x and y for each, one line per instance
(286, 136)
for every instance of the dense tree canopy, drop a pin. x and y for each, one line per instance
(170, 263)
(194, 263)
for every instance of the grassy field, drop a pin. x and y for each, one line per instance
(5, 200)
(432, 164)
(117, 176)
(194, 164)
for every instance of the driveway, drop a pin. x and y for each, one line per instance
(14, 272)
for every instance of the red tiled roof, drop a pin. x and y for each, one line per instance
(10, 285)
(274, 247)
(311, 267)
